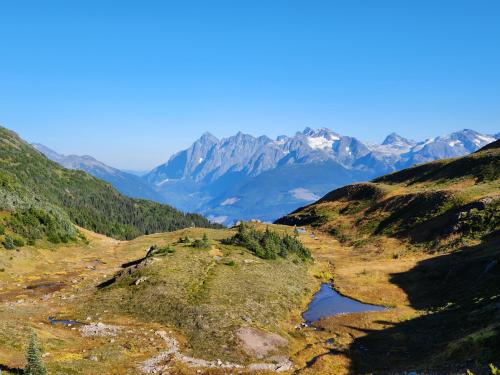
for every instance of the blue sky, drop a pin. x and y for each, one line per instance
(131, 82)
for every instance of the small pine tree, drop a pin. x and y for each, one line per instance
(205, 241)
(34, 361)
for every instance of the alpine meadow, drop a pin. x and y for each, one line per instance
(240, 188)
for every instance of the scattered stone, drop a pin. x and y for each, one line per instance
(161, 362)
(141, 280)
(486, 200)
(98, 329)
(258, 343)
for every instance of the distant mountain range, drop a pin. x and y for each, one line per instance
(247, 177)
(126, 183)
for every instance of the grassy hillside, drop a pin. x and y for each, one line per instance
(39, 199)
(207, 294)
(434, 206)
(425, 241)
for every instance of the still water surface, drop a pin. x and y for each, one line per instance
(327, 302)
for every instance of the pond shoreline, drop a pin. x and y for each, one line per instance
(327, 302)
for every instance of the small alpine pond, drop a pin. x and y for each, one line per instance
(328, 302)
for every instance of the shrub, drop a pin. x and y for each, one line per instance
(268, 244)
(8, 243)
(204, 243)
(184, 239)
(18, 242)
(2, 230)
(160, 251)
(339, 233)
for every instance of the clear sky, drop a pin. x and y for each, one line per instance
(131, 82)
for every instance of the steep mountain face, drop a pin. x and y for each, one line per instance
(449, 146)
(126, 183)
(446, 214)
(218, 177)
(39, 199)
(223, 179)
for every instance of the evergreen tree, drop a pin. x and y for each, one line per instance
(268, 244)
(34, 361)
(205, 241)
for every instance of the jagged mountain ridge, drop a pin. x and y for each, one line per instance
(219, 177)
(209, 158)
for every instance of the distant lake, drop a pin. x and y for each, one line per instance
(327, 302)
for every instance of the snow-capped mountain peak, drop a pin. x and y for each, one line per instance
(210, 158)
(396, 140)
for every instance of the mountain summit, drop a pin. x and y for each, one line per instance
(221, 178)
(394, 139)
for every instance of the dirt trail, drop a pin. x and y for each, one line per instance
(163, 361)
